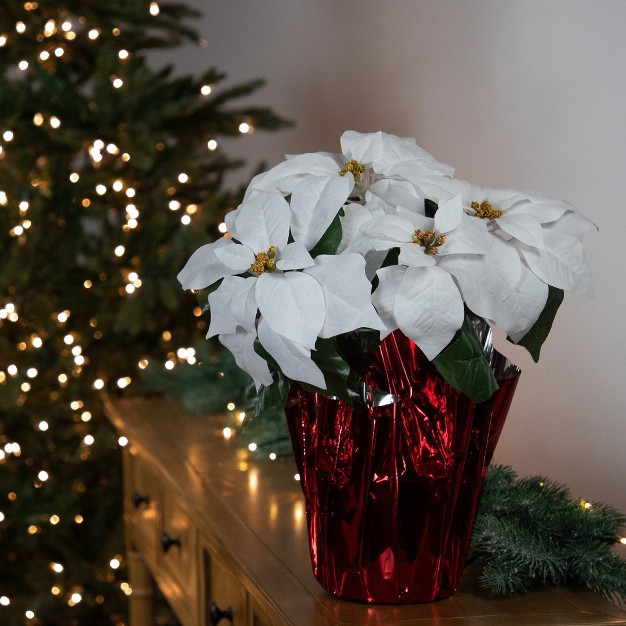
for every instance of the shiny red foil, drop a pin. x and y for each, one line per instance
(391, 492)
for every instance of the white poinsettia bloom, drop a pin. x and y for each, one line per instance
(545, 232)
(364, 158)
(417, 296)
(298, 298)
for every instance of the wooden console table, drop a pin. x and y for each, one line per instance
(224, 537)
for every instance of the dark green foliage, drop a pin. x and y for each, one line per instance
(534, 338)
(463, 365)
(68, 313)
(530, 532)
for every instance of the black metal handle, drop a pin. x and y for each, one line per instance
(216, 614)
(138, 499)
(167, 542)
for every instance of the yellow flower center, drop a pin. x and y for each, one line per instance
(430, 240)
(485, 210)
(264, 261)
(355, 168)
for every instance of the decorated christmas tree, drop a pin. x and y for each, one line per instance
(111, 174)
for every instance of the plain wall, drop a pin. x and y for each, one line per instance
(526, 94)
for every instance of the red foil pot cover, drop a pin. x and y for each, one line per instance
(391, 491)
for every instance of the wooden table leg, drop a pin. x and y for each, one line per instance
(140, 602)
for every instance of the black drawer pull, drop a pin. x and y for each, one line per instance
(167, 542)
(138, 499)
(217, 614)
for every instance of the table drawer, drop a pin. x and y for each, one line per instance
(223, 591)
(144, 507)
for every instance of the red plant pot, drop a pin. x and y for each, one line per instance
(391, 491)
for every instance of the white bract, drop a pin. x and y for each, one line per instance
(379, 236)
(274, 290)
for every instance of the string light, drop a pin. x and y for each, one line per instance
(93, 34)
(212, 145)
(154, 8)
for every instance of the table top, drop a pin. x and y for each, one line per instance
(257, 510)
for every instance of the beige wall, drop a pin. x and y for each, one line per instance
(527, 94)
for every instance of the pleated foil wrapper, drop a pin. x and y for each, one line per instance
(391, 489)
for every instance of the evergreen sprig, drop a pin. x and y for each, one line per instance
(530, 532)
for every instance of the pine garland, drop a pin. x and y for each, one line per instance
(530, 532)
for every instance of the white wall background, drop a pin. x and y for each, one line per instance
(518, 93)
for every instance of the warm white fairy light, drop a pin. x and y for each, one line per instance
(7, 135)
(23, 65)
(93, 34)
(44, 55)
(20, 27)
(272, 456)
(12, 370)
(205, 90)
(114, 563)
(212, 145)
(183, 178)
(123, 54)
(75, 598)
(23, 206)
(85, 416)
(252, 446)
(43, 426)
(132, 211)
(68, 339)
(36, 341)
(222, 228)
(623, 541)
(242, 417)
(230, 406)
(185, 220)
(117, 185)
(154, 8)
(1, 516)
(174, 205)
(31, 372)
(130, 192)
(3, 40)
(59, 52)
(98, 383)
(122, 441)
(88, 440)
(101, 189)
(43, 476)
(55, 122)
(66, 26)
(56, 567)
(169, 365)
(122, 383)
(296, 477)
(112, 149)
(4, 601)
(227, 432)
(29, 615)
(117, 82)
(50, 28)
(245, 128)
(119, 251)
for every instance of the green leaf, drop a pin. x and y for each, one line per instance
(336, 371)
(269, 397)
(331, 239)
(203, 294)
(430, 208)
(465, 367)
(534, 338)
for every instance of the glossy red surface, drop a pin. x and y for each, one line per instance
(391, 491)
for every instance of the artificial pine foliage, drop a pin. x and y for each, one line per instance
(530, 532)
(108, 182)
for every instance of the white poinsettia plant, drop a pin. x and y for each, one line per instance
(378, 238)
